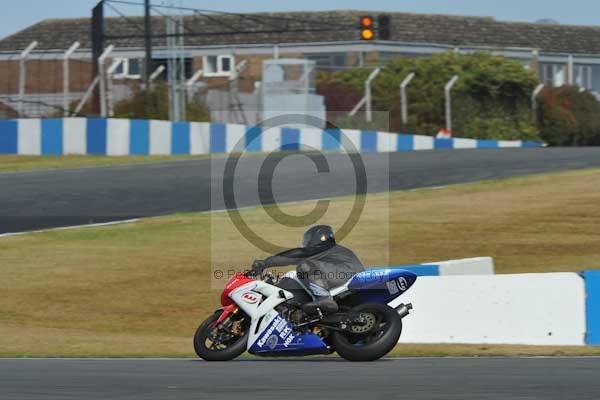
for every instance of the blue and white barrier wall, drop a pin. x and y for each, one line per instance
(592, 306)
(528, 309)
(118, 137)
(467, 266)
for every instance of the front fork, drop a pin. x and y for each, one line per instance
(227, 311)
(223, 328)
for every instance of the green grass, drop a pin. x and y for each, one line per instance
(32, 163)
(12, 163)
(141, 289)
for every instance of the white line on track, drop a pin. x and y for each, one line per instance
(130, 221)
(221, 210)
(65, 228)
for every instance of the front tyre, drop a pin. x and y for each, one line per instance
(224, 342)
(373, 340)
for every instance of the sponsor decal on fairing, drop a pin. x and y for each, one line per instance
(250, 297)
(402, 284)
(261, 342)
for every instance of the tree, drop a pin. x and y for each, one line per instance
(491, 99)
(569, 117)
(154, 104)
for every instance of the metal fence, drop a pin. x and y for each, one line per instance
(90, 75)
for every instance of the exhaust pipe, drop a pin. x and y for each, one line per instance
(404, 309)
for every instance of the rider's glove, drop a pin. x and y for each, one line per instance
(258, 266)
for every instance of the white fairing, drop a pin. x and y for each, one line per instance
(248, 298)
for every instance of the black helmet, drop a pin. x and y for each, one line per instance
(317, 235)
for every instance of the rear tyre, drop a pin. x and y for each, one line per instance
(217, 344)
(377, 342)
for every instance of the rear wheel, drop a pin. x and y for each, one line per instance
(224, 342)
(372, 340)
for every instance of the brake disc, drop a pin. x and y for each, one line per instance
(367, 323)
(236, 328)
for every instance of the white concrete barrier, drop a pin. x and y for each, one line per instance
(467, 266)
(530, 309)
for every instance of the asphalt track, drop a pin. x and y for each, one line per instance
(46, 199)
(415, 379)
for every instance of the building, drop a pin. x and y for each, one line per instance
(561, 53)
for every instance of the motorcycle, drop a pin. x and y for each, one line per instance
(265, 317)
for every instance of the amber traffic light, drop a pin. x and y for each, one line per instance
(367, 34)
(366, 28)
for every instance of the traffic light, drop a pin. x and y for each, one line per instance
(384, 26)
(366, 28)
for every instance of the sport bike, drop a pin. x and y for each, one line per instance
(265, 317)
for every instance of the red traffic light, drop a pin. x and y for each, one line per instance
(366, 21)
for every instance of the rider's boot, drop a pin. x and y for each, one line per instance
(326, 305)
(323, 303)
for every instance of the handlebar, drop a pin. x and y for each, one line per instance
(263, 276)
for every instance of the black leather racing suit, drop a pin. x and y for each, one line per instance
(320, 268)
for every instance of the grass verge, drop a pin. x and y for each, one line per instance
(13, 163)
(32, 163)
(141, 289)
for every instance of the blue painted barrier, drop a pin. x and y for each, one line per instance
(592, 307)
(100, 136)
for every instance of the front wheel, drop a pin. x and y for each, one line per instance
(372, 340)
(224, 342)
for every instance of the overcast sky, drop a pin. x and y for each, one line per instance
(23, 13)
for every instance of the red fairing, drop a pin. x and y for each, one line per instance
(226, 312)
(235, 282)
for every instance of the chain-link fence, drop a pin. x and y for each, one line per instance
(98, 66)
(42, 83)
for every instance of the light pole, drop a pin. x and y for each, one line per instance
(534, 97)
(448, 90)
(66, 77)
(404, 97)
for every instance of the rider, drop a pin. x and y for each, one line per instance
(321, 265)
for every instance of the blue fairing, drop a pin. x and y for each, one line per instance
(279, 337)
(381, 285)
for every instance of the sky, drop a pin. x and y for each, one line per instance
(23, 13)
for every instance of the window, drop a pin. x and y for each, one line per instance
(156, 62)
(129, 68)
(135, 67)
(211, 66)
(120, 69)
(225, 64)
(218, 65)
(553, 75)
(583, 76)
(595, 78)
(328, 61)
